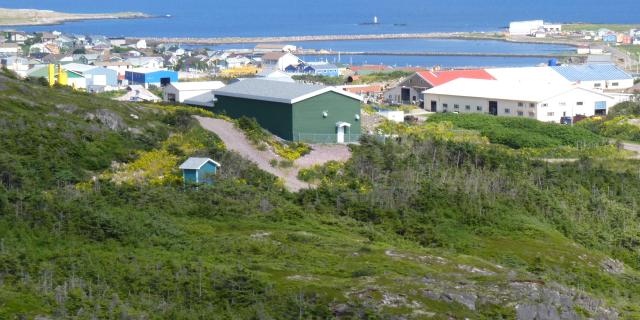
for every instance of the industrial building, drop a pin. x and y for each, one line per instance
(147, 77)
(192, 93)
(294, 111)
(409, 91)
(542, 101)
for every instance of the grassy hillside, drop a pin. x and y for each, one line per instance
(95, 223)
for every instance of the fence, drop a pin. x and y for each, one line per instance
(326, 138)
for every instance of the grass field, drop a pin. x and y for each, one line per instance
(595, 27)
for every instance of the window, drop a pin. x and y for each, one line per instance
(615, 84)
(520, 113)
(445, 106)
(549, 114)
(532, 105)
(563, 103)
(597, 85)
(479, 108)
(520, 104)
(580, 103)
(467, 107)
(507, 110)
(545, 105)
(455, 106)
(532, 114)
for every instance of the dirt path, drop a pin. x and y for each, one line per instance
(235, 140)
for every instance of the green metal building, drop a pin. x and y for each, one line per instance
(294, 111)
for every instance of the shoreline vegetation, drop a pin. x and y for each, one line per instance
(33, 17)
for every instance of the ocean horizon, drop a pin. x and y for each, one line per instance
(250, 18)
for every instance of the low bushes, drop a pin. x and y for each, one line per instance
(520, 132)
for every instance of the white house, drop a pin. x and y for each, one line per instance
(146, 62)
(525, 28)
(9, 48)
(192, 93)
(279, 60)
(543, 102)
(19, 65)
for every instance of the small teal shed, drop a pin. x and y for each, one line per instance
(199, 170)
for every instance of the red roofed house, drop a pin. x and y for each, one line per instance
(409, 91)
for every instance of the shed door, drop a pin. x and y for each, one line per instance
(340, 135)
(165, 81)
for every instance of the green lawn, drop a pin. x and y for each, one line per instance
(595, 27)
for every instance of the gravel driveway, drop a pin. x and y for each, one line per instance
(235, 140)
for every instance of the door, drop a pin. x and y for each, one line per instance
(434, 106)
(340, 135)
(405, 95)
(165, 81)
(493, 108)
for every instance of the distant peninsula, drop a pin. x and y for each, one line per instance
(28, 17)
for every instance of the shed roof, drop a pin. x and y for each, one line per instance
(194, 163)
(198, 85)
(592, 72)
(277, 91)
(436, 78)
(502, 90)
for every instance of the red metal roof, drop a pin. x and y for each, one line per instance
(436, 78)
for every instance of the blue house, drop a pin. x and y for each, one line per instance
(199, 170)
(610, 38)
(147, 77)
(329, 70)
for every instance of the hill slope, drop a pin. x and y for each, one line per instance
(94, 224)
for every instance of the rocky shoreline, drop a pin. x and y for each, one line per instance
(32, 17)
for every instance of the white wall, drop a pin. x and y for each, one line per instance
(551, 110)
(189, 96)
(607, 84)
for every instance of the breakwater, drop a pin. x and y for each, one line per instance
(438, 54)
(286, 39)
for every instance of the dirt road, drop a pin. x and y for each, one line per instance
(235, 140)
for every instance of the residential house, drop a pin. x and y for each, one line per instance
(279, 60)
(9, 48)
(192, 93)
(18, 36)
(19, 65)
(146, 62)
(47, 37)
(549, 103)
(322, 69)
(98, 79)
(294, 111)
(118, 41)
(57, 58)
